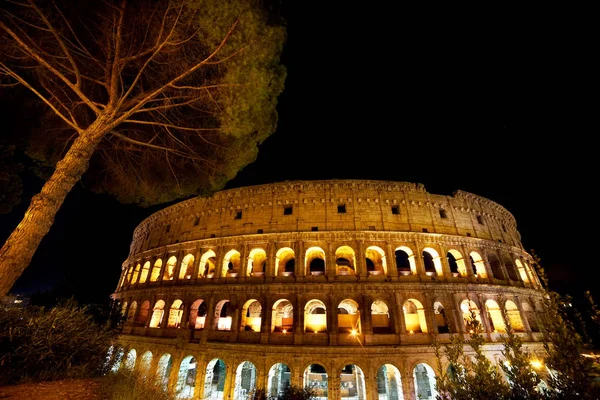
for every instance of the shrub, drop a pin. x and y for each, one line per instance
(128, 385)
(38, 344)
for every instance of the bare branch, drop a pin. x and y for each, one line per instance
(164, 125)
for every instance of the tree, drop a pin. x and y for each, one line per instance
(155, 100)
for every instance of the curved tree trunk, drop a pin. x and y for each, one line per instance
(21, 245)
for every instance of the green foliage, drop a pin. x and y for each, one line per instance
(289, 393)
(471, 374)
(128, 385)
(41, 344)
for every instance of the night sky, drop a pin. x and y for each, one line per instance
(494, 102)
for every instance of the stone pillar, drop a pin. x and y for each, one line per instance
(361, 262)
(244, 261)
(166, 312)
(220, 254)
(265, 321)
(300, 257)
(428, 310)
(400, 312)
(526, 325)
(460, 322)
(333, 386)
(332, 320)
(408, 384)
(209, 320)
(270, 266)
(330, 265)
(366, 320)
(371, 387)
(483, 312)
(196, 266)
(298, 319)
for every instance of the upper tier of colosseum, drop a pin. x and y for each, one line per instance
(326, 205)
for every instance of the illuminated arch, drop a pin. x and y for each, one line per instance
(175, 314)
(232, 263)
(185, 270)
(222, 319)
(251, 316)
(456, 262)
(375, 261)
(315, 316)
(169, 273)
(514, 316)
(314, 261)
(495, 314)
(214, 379)
(285, 262)
(348, 317)
(389, 383)
(257, 262)
(425, 382)
(478, 265)
(282, 318)
(208, 263)
(405, 261)
(471, 316)
(380, 317)
(345, 261)
(414, 316)
(145, 272)
(157, 314)
(156, 270)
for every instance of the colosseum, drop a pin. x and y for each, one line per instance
(339, 285)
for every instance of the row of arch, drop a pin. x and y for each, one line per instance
(346, 262)
(190, 380)
(281, 318)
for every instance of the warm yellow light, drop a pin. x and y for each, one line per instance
(506, 364)
(411, 332)
(353, 332)
(471, 331)
(285, 331)
(536, 364)
(316, 331)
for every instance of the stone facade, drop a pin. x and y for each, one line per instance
(340, 284)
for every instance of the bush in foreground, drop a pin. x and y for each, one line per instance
(38, 344)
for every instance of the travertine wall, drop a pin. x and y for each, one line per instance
(390, 243)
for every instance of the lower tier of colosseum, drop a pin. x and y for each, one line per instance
(347, 342)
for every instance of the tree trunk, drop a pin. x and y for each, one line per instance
(21, 245)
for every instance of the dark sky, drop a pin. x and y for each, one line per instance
(494, 102)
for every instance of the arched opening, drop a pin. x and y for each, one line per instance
(186, 378)
(375, 261)
(169, 273)
(345, 261)
(439, 316)
(471, 316)
(257, 262)
(380, 317)
(531, 317)
(129, 274)
(232, 264)
(175, 314)
(285, 262)
(142, 315)
(315, 316)
(131, 311)
(435, 262)
(145, 272)
(207, 265)
(156, 270)
(348, 317)
(457, 264)
(129, 363)
(510, 268)
(145, 363)
(282, 318)
(522, 271)
(389, 383)
(478, 265)
(424, 382)
(251, 316)
(222, 316)
(157, 314)
(136, 274)
(214, 380)
(315, 261)
(514, 316)
(124, 309)
(245, 380)
(495, 266)
(496, 319)
(428, 263)
(198, 313)
(405, 261)
(414, 316)
(278, 380)
(185, 271)
(163, 370)
(315, 378)
(352, 383)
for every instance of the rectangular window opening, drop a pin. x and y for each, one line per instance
(238, 215)
(168, 229)
(480, 220)
(259, 231)
(396, 210)
(287, 210)
(197, 221)
(469, 234)
(341, 208)
(213, 235)
(443, 213)
(425, 230)
(314, 228)
(503, 228)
